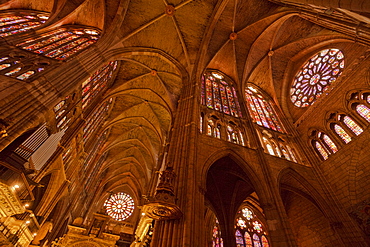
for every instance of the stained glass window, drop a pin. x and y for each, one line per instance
(248, 225)
(342, 133)
(63, 113)
(321, 150)
(234, 135)
(248, 240)
(316, 76)
(364, 111)
(95, 120)
(216, 235)
(261, 110)
(21, 22)
(119, 206)
(329, 143)
(265, 242)
(291, 153)
(219, 94)
(13, 66)
(256, 241)
(97, 83)
(352, 125)
(239, 239)
(62, 43)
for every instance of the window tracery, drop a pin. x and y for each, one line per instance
(316, 76)
(21, 21)
(359, 103)
(276, 146)
(64, 112)
(323, 144)
(249, 231)
(96, 84)
(219, 94)
(62, 43)
(119, 206)
(216, 235)
(344, 126)
(21, 66)
(261, 110)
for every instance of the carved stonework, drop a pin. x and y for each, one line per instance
(163, 206)
(76, 237)
(9, 202)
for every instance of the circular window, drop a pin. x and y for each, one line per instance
(119, 206)
(315, 77)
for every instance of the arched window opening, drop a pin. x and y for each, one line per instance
(219, 94)
(316, 76)
(248, 225)
(256, 241)
(93, 152)
(21, 21)
(96, 84)
(291, 152)
(268, 146)
(234, 135)
(265, 242)
(327, 140)
(216, 235)
(20, 66)
(323, 144)
(364, 111)
(210, 127)
(62, 43)
(217, 132)
(64, 113)
(239, 239)
(261, 110)
(201, 120)
(95, 120)
(342, 133)
(352, 125)
(248, 240)
(285, 153)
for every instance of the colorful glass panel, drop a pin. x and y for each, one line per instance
(97, 83)
(330, 143)
(342, 133)
(316, 76)
(257, 226)
(256, 241)
(239, 239)
(18, 23)
(364, 111)
(265, 242)
(247, 213)
(119, 206)
(218, 94)
(216, 235)
(261, 110)
(62, 43)
(248, 240)
(352, 125)
(321, 150)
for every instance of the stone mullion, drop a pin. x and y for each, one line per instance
(271, 201)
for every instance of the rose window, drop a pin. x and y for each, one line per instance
(119, 206)
(315, 77)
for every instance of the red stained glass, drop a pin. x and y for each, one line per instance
(364, 111)
(315, 76)
(218, 94)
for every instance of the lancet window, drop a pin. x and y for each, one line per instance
(316, 76)
(64, 112)
(219, 94)
(96, 84)
(249, 232)
(92, 153)
(62, 43)
(95, 120)
(21, 66)
(261, 109)
(360, 105)
(344, 126)
(323, 144)
(21, 21)
(277, 147)
(216, 235)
